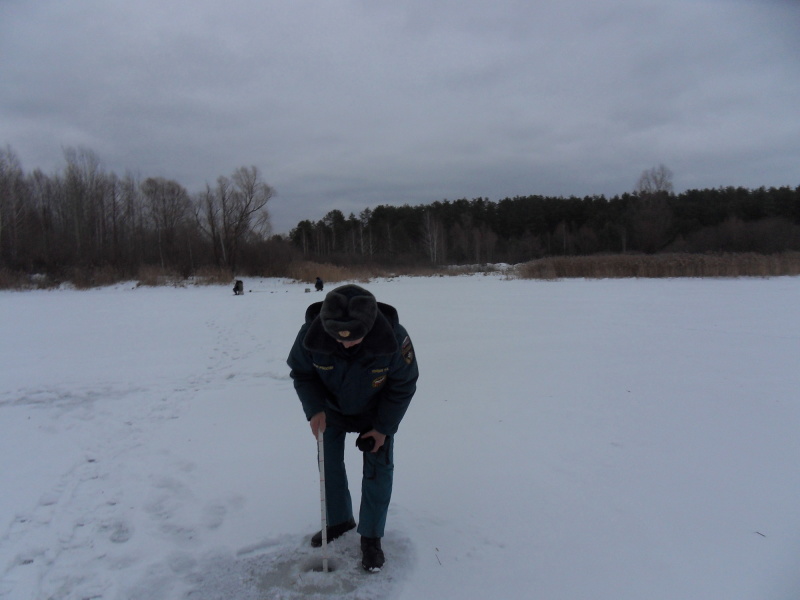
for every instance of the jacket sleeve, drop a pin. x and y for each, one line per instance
(307, 383)
(400, 386)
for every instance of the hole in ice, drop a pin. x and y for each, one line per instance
(315, 565)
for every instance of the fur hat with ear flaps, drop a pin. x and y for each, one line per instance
(348, 313)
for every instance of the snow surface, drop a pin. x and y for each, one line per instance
(613, 439)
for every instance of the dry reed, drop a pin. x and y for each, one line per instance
(212, 276)
(661, 266)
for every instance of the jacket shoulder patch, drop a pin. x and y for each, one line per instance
(407, 350)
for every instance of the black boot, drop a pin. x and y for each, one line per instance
(334, 531)
(372, 558)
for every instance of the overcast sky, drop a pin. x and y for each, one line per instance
(350, 104)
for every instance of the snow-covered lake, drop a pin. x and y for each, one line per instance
(604, 440)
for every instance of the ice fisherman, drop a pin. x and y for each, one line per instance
(355, 370)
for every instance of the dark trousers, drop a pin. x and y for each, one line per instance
(376, 480)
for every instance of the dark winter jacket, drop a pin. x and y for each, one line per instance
(376, 378)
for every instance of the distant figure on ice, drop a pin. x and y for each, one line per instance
(238, 287)
(318, 284)
(354, 370)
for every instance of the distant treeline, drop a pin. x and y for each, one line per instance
(514, 230)
(87, 223)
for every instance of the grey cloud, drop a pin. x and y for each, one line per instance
(349, 104)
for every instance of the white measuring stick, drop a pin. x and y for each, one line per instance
(321, 459)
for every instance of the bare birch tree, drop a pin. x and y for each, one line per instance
(168, 207)
(433, 237)
(233, 211)
(651, 216)
(12, 206)
(654, 181)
